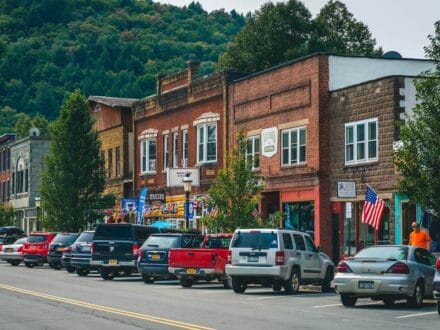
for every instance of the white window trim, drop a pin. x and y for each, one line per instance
(298, 162)
(205, 144)
(354, 124)
(146, 141)
(253, 138)
(165, 140)
(175, 149)
(184, 141)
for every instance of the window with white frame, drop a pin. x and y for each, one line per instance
(207, 143)
(166, 155)
(184, 148)
(253, 151)
(175, 149)
(361, 141)
(293, 145)
(148, 156)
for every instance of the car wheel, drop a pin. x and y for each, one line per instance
(56, 266)
(416, 300)
(238, 285)
(326, 285)
(29, 264)
(107, 275)
(438, 307)
(127, 272)
(227, 283)
(70, 269)
(291, 286)
(51, 265)
(14, 262)
(277, 286)
(347, 300)
(186, 282)
(147, 279)
(389, 302)
(82, 272)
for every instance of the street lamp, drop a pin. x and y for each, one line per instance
(38, 205)
(187, 181)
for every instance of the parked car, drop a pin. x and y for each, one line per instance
(13, 253)
(82, 253)
(387, 273)
(152, 260)
(57, 246)
(205, 263)
(436, 291)
(9, 235)
(65, 259)
(36, 248)
(115, 248)
(279, 258)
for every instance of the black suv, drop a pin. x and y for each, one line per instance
(82, 252)
(115, 248)
(56, 248)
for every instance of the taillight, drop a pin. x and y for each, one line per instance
(437, 264)
(279, 258)
(1, 247)
(67, 249)
(135, 249)
(343, 268)
(398, 268)
(140, 253)
(20, 249)
(229, 257)
(92, 248)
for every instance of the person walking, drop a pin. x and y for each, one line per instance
(419, 237)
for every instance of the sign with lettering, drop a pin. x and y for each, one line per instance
(346, 189)
(176, 175)
(269, 141)
(156, 197)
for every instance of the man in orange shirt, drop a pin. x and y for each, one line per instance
(419, 237)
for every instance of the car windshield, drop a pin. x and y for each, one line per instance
(37, 238)
(163, 242)
(85, 237)
(255, 240)
(384, 252)
(113, 232)
(65, 238)
(21, 240)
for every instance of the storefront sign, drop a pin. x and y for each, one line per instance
(129, 204)
(346, 189)
(156, 197)
(269, 138)
(175, 176)
(141, 204)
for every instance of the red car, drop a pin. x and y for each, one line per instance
(36, 248)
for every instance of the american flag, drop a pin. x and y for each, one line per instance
(373, 209)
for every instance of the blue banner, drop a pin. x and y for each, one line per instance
(141, 205)
(129, 204)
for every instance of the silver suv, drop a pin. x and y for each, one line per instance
(277, 258)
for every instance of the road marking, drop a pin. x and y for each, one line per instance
(331, 305)
(106, 309)
(414, 315)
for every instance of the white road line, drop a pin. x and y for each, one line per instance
(331, 305)
(414, 315)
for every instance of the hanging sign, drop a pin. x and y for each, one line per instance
(269, 138)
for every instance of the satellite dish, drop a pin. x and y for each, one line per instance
(34, 131)
(392, 54)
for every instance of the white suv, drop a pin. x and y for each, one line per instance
(279, 258)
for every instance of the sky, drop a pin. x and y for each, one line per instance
(399, 25)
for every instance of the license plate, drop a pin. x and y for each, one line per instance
(86, 248)
(113, 262)
(33, 247)
(8, 250)
(252, 259)
(191, 271)
(155, 256)
(60, 249)
(366, 285)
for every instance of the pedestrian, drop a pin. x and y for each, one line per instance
(419, 237)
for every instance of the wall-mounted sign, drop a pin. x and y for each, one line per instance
(346, 189)
(175, 176)
(156, 197)
(269, 141)
(129, 204)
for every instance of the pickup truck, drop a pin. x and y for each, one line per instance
(205, 263)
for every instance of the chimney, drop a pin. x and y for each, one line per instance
(193, 68)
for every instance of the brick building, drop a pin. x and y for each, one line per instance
(181, 129)
(113, 121)
(5, 166)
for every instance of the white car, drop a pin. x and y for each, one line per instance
(436, 291)
(12, 253)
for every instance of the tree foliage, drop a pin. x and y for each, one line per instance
(73, 176)
(418, 160)
(235, 192)
(284, 31)
(112, 47)
(7, 215)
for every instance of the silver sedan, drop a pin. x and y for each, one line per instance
(387, 273)
(12, 253)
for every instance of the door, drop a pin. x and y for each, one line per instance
(426, 264)
(312, 256)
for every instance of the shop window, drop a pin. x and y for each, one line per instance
(408, 211)
(349, 244)
(299, 216)
(365, 232)
(383, 236)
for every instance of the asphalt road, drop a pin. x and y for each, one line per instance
(42, 298)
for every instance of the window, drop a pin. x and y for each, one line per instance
(207, 143)
(148, 156)
(361, 141)
(293, 146)
(166, 156)
(299, 242)
(175, 149)
(118, 161)
(110, 162)
(309, 244)
(287, 239)
(253, 151)
(184, 148)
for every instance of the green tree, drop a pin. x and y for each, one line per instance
(74, 176)
(23, 125)
(7, 215)
(236, 192)
(418, 161)
(8, 116)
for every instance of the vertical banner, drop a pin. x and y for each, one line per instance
(141, 205)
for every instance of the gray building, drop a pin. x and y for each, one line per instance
(27, 162)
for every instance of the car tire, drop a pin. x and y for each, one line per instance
(56, 266)
(326, 285)
(348, 300)
(70, 269)
(438, 307)
(29, 264)
(14, 262)
(107, 275)
(147, 279)
(416, 300)
(238, 285)
(291, 286)
(51, 265)
(186, 282)
(389, 302)
(82, 272)
(227, 283)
